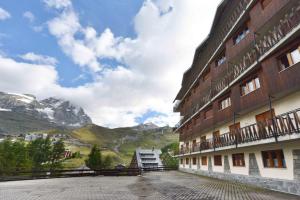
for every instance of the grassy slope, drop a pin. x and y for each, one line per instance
(116, 144)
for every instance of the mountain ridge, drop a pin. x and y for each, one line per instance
(20, 110)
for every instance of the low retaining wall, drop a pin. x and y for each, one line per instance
(287, 186)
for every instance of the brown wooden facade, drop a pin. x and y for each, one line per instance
(252, 35)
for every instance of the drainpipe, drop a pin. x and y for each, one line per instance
(236, 134)
(257, 52)
(273, 118)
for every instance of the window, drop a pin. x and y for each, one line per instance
(216, 134)
(264, 117)
(234, 127)
(241, 34)
(208, 113)
(238, 160)
(221, 59)
(203, 160)
(187, 161)
(250, 86)
(206, 75)
(181, 161)
(194, 161)
(224, 103)
(218, 160)
(265, 3)
(273, 159)
(290, 58)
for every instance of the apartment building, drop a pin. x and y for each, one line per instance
(240, 100)
(146, 158)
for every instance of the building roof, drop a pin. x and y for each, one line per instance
(217, 16)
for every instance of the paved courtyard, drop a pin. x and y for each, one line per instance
(155, 185)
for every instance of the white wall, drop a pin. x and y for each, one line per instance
(279, 173)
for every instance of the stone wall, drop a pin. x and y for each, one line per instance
(226, 165)
(253, 166)
(287, 186)
(296, 159)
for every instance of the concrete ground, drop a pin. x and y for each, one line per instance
(154, 185)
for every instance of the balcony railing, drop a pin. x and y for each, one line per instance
(218, 38)
(279, 126)
(267, 37)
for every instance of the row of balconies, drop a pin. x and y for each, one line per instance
(282, 125)
(216, 40)
(267, 37)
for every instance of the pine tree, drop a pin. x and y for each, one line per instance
(40, 153)
(107, 163)
(94, 158)
(57, 153)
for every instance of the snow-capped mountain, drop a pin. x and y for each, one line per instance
(55, 111)
(146, 127)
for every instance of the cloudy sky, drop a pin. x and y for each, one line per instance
(121, 60)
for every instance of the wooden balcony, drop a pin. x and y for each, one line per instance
(267, 38)
(277, 128)
(228, 21)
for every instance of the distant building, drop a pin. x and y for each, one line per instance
(67, 153)
(32, 136)
(240, 100)
(146, 158)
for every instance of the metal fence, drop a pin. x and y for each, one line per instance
(45, 174)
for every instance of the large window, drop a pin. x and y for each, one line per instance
(226, 102)
(218, 160)
(181, 161)
(204, 160)
(250, 86)
(194, 161)
(241, 34)
(265, 117)
(290, 58)
(273, 159)
(238, 160)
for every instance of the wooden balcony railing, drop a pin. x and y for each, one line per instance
(285, 124)
(281, 125)
(217, 38)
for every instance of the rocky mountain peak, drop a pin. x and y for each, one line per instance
(146, 127)
(54, 110)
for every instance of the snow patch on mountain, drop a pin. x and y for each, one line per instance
(24, 98)
(54, 110)
(48, 111)
(5, 110)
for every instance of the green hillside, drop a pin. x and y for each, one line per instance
(121, 142)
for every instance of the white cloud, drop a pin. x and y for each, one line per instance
(29, 16)
(39, 59)
(21, 76)
(58, 4)
(4, 14)
(167, 34)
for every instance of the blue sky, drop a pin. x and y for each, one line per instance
(19, 37)
(121, 60)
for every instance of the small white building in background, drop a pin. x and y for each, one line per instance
(31, 136)
(148, 158)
